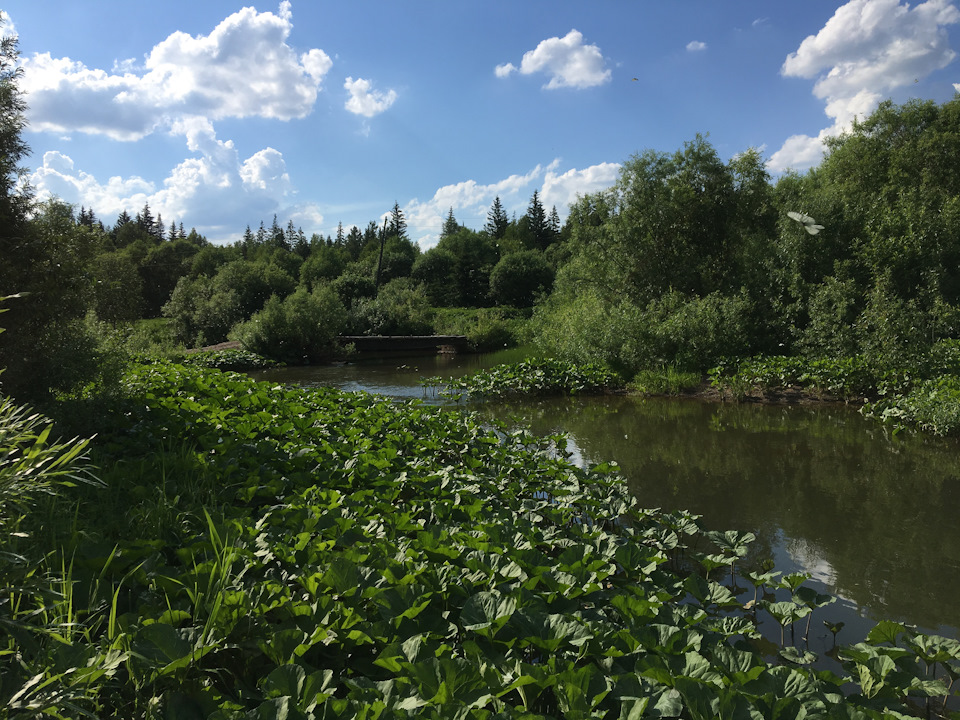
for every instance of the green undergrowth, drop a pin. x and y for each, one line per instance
(668, 380)
(924, 396)
(267, 552)
(529, 378)
(229, 359)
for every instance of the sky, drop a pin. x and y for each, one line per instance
(221, 115)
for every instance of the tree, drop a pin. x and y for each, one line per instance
(497, 220)
(397, 225)
(450, 225)
(519, 278)
(14, 197)
(536, 229)
(354, 242)
(475, 254)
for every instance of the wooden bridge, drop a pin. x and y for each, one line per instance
(406, 343)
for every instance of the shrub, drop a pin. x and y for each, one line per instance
(486, 329)
(300, 328)
(519, 278)
(400, 308)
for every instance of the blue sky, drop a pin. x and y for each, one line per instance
(221, 115)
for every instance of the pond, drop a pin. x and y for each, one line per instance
(873, 518)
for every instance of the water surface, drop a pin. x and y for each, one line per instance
(873, 518)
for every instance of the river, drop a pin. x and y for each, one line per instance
(873, 518)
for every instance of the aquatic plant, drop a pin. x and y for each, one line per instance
(360, 558)
(531, 377)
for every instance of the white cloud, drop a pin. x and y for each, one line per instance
(366, 101)
(567, 61)
(8, 28)
(218, 186)
(471, 201)
(243, 68)
(696, 46)
(562, 190)
(956, 86)
(867, 49)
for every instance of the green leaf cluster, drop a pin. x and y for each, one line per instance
(343, 556)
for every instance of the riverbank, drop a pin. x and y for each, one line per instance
(334, 552)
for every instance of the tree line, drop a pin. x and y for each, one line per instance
(686, 261)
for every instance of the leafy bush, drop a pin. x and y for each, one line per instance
(532, 377)
(689, 332)
(486, 329)
(520, 278)
(202, 311)
(668, 380)
(931, 406)
(300, 328)
(400, 308)
(229, 359)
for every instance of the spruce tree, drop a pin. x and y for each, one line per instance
(537, 223)
(497, 220)
(397, 226)
(450, 225)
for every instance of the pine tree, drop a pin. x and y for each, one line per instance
(497, 221)
(450, 225)
(145, 220)
(340, 238)
(397, 226)
(122, 219)
(553, 225)
(537, 223)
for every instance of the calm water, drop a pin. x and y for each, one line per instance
(874, 519)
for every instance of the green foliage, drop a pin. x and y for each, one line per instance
(931, 406)
(229, 359)
(316, 553)
(520, 278)
(851, 377)
(434, 271)
(689, 332)
(400, 308)
(533, 377)
(353, 285)
(475, 256)
(668, 380)
(486, 329)
(300, 328)
(324, 264)
(202, 311)
(35, 614)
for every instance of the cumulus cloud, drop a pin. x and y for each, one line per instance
(243, 68)
(7, 28)
(867, 49)
(562, 189)
(218, 186)
(696, 46)
(471, 201)
(567, 61)
(366, 101)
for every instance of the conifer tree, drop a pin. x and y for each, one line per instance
(397, 226)
(450, 225)
(497, 221)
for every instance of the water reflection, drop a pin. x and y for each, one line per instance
(874, 518)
